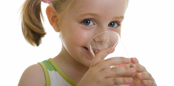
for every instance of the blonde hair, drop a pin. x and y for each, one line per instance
(32, 27)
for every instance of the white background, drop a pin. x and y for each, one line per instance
(147, 33)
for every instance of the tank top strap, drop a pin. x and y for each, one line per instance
(46, 65)
(54, 75)
(63, 75)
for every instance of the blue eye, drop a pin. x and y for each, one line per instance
(88, 22)
(113, 24)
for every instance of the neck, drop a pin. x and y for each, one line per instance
(72, 68)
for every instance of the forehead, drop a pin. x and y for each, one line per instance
(115, 7)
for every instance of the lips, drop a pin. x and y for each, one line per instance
(87, 51)
(95, 51)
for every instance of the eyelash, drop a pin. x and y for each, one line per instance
(83, 22)
(117, 22)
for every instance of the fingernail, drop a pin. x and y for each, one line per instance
(134, 65)
(134, 58)
(132, 69)
(112, 49)
(127, 60)
(128, 79)
(140, 75)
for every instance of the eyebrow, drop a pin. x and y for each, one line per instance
(119, 17)
(95, 14)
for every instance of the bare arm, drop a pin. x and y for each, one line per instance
(33, 76)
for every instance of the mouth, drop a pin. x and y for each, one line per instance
(95, 51)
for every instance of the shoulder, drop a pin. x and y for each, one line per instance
(33, 76)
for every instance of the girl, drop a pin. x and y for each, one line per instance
(78, 21)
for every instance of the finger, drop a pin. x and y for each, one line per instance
(118, 72)
(108, 82)
(101, 55)
(144, 75)
(112, 61)
(149, 83)
(117, 81)
(132, 66)
(140, 68)
(134, 60)
(122, 81)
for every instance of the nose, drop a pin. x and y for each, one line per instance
(102, 38)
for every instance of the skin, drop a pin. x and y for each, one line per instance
(74, 60)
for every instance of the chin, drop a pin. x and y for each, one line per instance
(87, 63)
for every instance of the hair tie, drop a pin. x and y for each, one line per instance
(46, 1)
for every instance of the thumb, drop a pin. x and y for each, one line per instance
(101, 55)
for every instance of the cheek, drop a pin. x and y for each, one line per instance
(80, 34)
(76, 37)
(81, 37)
(119, 31)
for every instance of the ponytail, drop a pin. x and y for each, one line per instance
(32, 27)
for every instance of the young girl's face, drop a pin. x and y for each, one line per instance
(85, 19)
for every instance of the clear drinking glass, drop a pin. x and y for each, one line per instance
(108, 39)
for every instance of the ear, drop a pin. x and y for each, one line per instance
(52, 17)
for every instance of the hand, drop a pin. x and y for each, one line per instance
(142, 74)
(100, 73)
